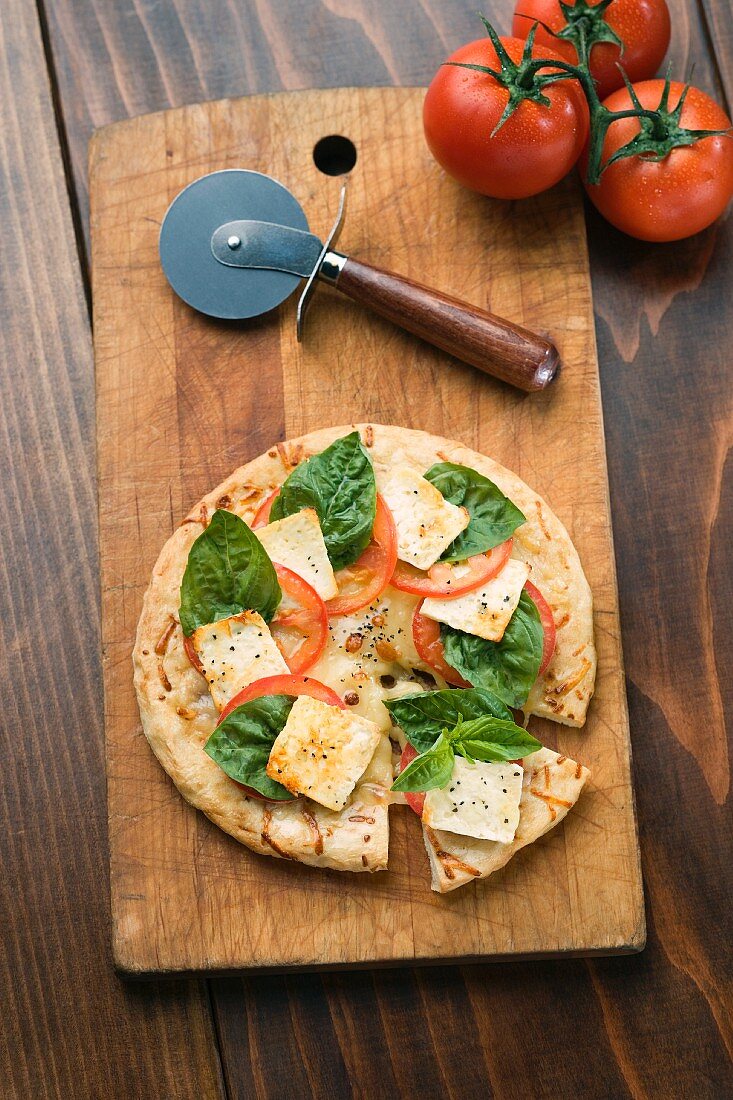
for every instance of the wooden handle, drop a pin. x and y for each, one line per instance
(495, 346)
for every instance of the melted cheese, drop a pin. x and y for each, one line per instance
(373, 789)
(426, 522)
(486, 611)
(322, 751)
(366, 647)
(480, 800)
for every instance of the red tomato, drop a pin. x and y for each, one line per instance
(426, 636)
(666, 200)
(534, 148)
(440, 579)
(361, 583)
(279, 685)
(642, 25)
(300, 626)
(414, 799)
(283, 685)
(548, 624)
(262, 515)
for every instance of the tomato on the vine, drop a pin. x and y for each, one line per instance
(642, 26)
(678, 190)
(527, 152)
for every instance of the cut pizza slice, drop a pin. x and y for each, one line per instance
(551, 786)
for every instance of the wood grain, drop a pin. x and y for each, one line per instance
(69, 1027)
(718, 21)
(646, 1026)
(162, 55)
(165, 376)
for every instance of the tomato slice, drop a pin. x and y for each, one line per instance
(361, 583)
(414, 799)
(283, 684)
(300, 625)
(364, 581)
(449, 579)
(548, 624)
(426, 636)
(279, 685)
(262, 515)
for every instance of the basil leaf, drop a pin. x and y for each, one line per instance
(431, 769)
(339, 483)
(228, 571)
(493, 516)
(241, 745)
(490, 738)
(424, 715)
(507, 668)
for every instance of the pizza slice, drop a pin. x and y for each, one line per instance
(550, 787)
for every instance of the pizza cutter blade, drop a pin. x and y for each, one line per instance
(236, 243)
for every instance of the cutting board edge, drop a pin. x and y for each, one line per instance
(634, 944)
(129, 964)
(101, 133)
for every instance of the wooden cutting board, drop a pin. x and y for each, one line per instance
(182, 400)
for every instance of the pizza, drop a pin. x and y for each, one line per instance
(364, 617)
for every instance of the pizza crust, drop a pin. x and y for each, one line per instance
(551, 785)
(176, 710)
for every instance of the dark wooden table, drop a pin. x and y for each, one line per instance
(654, 1025)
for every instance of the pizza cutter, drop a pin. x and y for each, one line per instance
(235, 244)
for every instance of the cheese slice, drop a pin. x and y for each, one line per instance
(322, 751)
(426, 522)
(486, 611)
(297, 543)
(480, 800)
(234, 653)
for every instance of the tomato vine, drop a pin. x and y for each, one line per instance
(660, 131)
